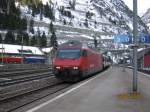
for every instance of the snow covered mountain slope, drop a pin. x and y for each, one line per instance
(146, 18)
(111, 16)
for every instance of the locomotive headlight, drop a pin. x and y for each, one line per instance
(75, 68)
(58, 67)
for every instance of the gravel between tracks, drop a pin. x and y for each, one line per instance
(18, 102)
(27, 92)
(17, 89)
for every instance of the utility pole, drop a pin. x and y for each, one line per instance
(3, 48)
(95, 41)
(22, 50)
(135, 38)
(124, 58)
(8, 7)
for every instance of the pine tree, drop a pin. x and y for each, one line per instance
(40, 6)
(13, 9)
(11, 20)
(53, 41)
(53, 44)
(64, 22)
(9, 7)
(95, 24)
(3, 4)
(19, 39)
(10, 38)
(46, 10)
(43, 40)
(72, 4)
(22, 24)
(31, 26)
(29, 2)
(86, 23)
(33, 41)
(38, 36)
(51, 27)
(52, 17)
(95, 42)
(25, 39)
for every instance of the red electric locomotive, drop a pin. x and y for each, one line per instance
(74, 61)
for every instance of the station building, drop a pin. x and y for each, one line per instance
(144, 58)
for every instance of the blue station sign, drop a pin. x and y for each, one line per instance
(122, 39)
(143, 38)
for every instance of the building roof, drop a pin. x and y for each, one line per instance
(142, 52)
(47, 50)
(17, 49)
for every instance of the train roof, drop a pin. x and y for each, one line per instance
(73, 44)
(17, 49)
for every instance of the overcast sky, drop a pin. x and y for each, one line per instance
(143, 5)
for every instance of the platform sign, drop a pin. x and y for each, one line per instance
(144, 38)
(122, 39)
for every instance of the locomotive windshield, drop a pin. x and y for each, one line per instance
(69, 54)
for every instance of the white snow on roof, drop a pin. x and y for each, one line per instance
(8, 48)
(140, 49)
(47, 50)
(106, 37)
(90, 37)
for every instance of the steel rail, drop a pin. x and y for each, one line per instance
(25, 79)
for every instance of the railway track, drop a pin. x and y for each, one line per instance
(30, 96)
(23, 72)
(30, 91)
(28, 86)
(22, 69)
(22, 87)
(25, 79)
(16, 77)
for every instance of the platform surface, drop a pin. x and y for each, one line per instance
(101, 95)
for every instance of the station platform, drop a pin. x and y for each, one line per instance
(107, 92)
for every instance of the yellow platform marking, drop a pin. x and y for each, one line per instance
(132, 96)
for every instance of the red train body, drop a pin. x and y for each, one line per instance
(11, 59)
(146, 60)
(74, 61)
(26, 59)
